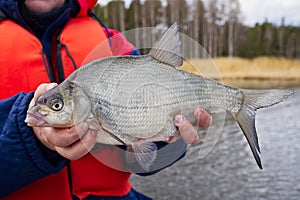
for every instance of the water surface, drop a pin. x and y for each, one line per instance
(229, 171)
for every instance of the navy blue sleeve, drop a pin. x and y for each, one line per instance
(135, 52)
(23, 159)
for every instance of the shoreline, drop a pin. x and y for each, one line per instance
(257, 73)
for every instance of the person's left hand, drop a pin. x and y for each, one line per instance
(187, 131)
(72, 142)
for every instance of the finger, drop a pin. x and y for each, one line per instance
(80, 147)
(62, 137)
(44, 87)
(172, 139)
(52, 137)
(41, 89)
(186, 129)
(81, 128)
(39, 132)
(203, 117)
(67, 136)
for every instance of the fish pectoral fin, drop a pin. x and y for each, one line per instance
(114, 136)
(168, 48)
(144, 153)
(94, 124)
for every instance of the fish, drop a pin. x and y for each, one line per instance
(132, 100)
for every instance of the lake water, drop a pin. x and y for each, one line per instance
(229, 171)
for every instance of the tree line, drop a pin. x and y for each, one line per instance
(217, 26)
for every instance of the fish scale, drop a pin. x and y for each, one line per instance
(131, 101)
(172, 90)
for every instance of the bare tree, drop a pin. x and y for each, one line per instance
(136, 5)
(233, 23)
(215, 24)
(196, 28)
(211, 28)
(197, 25)
(281, 38)
(121, 15)
(221, 29)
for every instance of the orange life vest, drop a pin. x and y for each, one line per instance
(22, 68)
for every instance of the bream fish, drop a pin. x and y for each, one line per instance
(132, 100)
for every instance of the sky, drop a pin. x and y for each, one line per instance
(272, 10)
(259, 10)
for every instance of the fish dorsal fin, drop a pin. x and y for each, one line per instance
(168, 48)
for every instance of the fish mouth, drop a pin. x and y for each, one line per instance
(34, 118)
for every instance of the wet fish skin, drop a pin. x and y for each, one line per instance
(147, 108)
(132, 100)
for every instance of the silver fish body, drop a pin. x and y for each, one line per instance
(137, 97)
(132, 100)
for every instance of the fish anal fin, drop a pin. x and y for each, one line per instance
(168, 48)
(144, 153)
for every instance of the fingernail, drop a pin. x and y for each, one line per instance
(50, 86)
(195, 140)
(178, 120)
(199, 113)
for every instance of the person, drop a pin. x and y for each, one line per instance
(42, 42)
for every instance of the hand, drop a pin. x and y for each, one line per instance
(187, 131)
(72, 143)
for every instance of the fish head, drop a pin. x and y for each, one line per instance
(62, 106)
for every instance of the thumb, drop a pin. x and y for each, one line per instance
(41, 89)
(44, 87)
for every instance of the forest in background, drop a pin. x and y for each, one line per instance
(217, 26)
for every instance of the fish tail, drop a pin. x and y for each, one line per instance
(253, 100)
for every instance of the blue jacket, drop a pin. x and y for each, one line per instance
(23, 159)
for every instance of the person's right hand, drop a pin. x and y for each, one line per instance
(73, 142)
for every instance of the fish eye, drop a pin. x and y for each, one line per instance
(57, 104)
